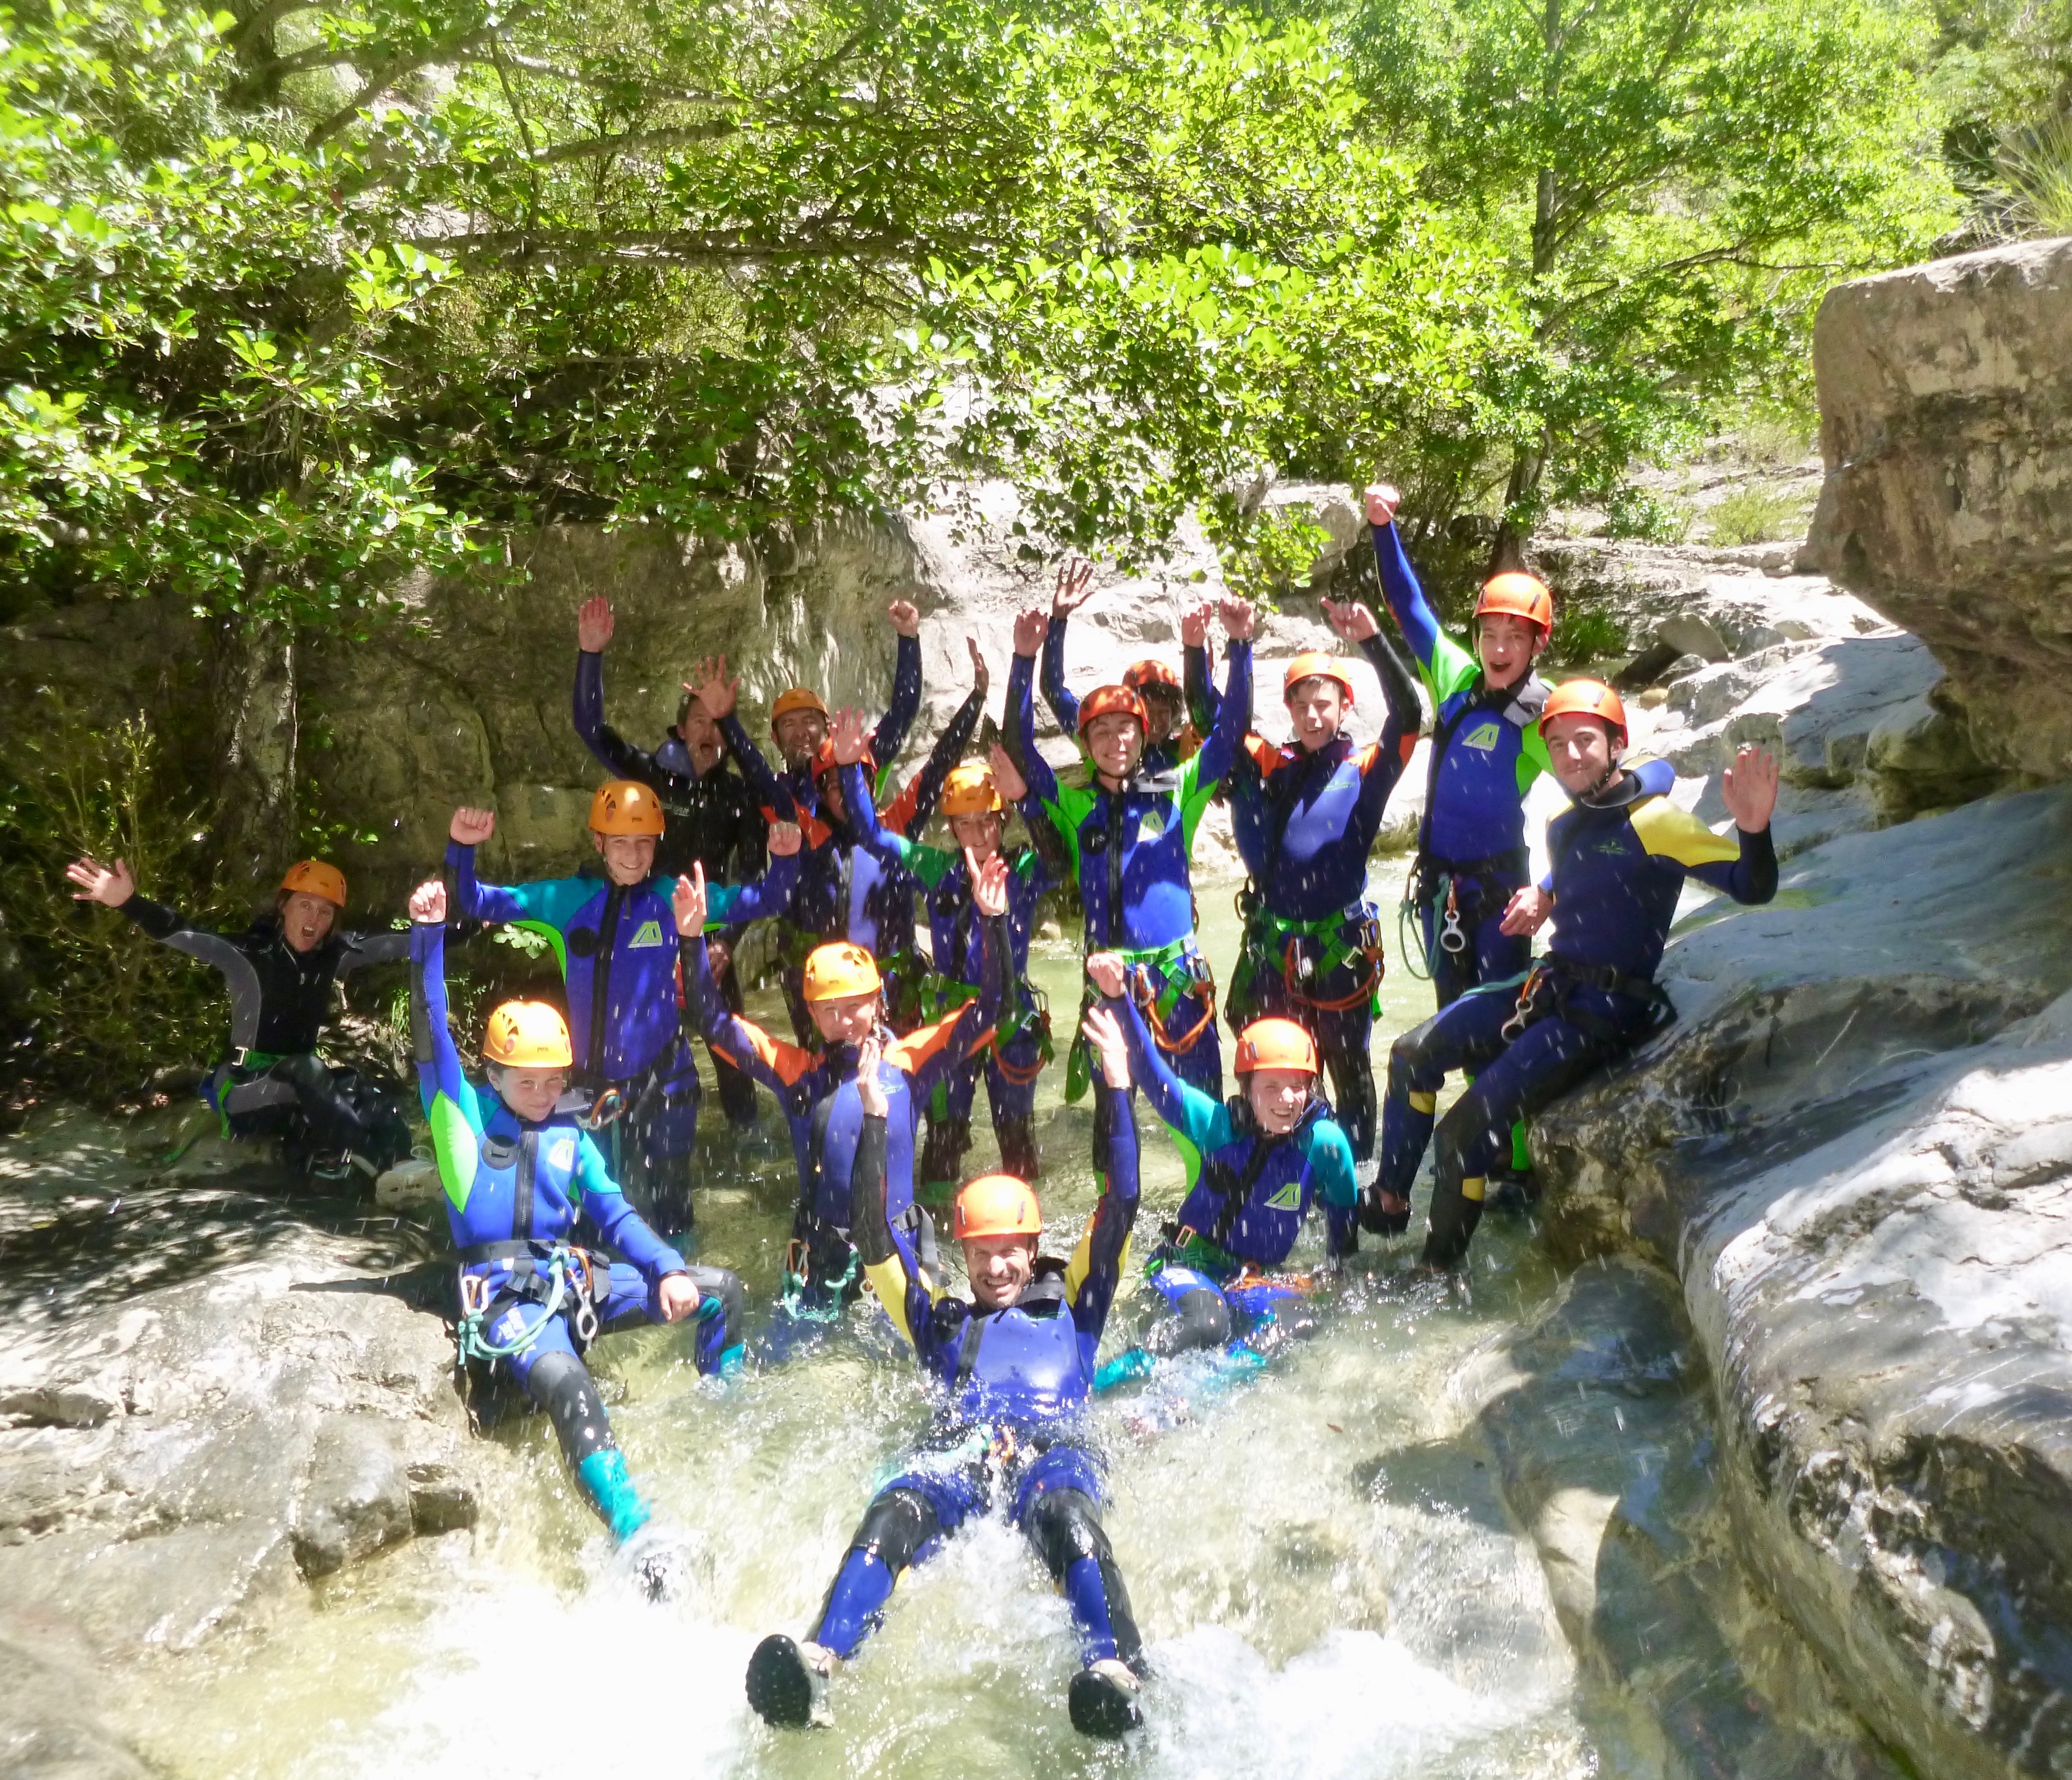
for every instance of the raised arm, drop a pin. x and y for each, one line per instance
(712, 689)
(776, 1065)
(897, 1278)
(1220, 747)
(1193, 1115)
(915, 804)
(1198, 670)
(894, 849)
(1029, 630)
(931, 1053)
(1444, 664)
(890, 735)
(443, 1085)
(1749, 788)
(735, 905)
(1096, 1264)
(1064, 704)
(611, 749)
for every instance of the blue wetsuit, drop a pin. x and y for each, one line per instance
(1305, 824)
(530, 1302)
(817, 1089)
(1011, 1388)
(1485, 753)
(1020, 1044)
(1619, 865)
(1129, 852)
(1247, 1195)
(616, 945)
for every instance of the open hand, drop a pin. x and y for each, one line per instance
(850, 736)
(786, 838)
(1238, 617)
(1104, 1032)
(870, 1092)
(112, 885)
(594, 625)
(1353, 621)
(1030, 627)
(1381, 501)
(1075, 587)
(981, 674)
(472, 827)
(688, 902)
(678, 1297)
(428, 903)
(988, 883)
(1105, 972)
(1527, 912)
(1749, 788)
(906, 617)
(1194, 625)
(1007, 777)
(710, 687)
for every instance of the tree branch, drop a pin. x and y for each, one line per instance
(400, 68)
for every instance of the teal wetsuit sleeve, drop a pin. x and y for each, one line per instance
(1330, 1156)
(451, 1108)
(622, 1227)
(735, 905)
(1202, 1124)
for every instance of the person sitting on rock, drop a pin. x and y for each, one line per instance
(1620, 853)
(710, 814)
(1130, 834)
(1304, 814)
(1013, 1368)
(616, 940)
(333, 1122)
(1255, 1164)
(519, 1170)
(831, 903)
(1169, 736)
(844, 994)
(974, 804)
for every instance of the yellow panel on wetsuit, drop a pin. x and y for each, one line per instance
(1675, 834)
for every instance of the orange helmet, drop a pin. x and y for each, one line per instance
(1316, 665)
(969, 790)
(841, 970)
(798, 698)
(623, 807)
(1150, 671)
(824, 761)
(1519, 595)
(1276, 1044)
(313, 877)
(1586, 698)
(995, 1204)
(528, 1035)
(1112, 701)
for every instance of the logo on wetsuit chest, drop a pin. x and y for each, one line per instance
(650, 934)
(1150, 825)
(1288, 1198)
(563, 1154)
(1483, 737)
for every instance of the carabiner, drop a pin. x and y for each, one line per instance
(1452, 936)
(605, 1108)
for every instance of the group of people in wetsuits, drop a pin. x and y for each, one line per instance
(589, 1109)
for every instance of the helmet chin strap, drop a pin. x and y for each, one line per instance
(1603, 780)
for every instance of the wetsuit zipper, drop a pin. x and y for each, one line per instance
(600, 979)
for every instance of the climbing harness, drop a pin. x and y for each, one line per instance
(564, 1273)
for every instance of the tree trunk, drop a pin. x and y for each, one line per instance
(252, 684)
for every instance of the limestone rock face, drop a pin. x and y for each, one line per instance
(1946, 402)
(1856, 1149)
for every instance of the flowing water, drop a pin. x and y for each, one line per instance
(1324, 1571)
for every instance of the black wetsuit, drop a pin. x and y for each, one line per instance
(273, 1084)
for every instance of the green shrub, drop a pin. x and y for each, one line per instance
(1756, 515)
(1635, 513)
(1586, 633)
(91, 1003)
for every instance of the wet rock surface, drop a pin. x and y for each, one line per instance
(212, 1392)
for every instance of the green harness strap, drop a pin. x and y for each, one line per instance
(1079, 1062)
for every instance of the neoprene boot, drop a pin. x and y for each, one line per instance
(1102, 1700)
(602, 1476)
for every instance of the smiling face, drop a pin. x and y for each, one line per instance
(628, 858)
(1115, 740)
(1316, 707)
(799, 734)
(1163, 704)
(999, 1268)
(1277, 1097)
(701, 737)
(979, 834)
(1507, 645)
(306, 920)
(845, 1019)
(1583, 751)
(530, 1093)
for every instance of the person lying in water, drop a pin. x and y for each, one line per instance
(1011, 1367)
